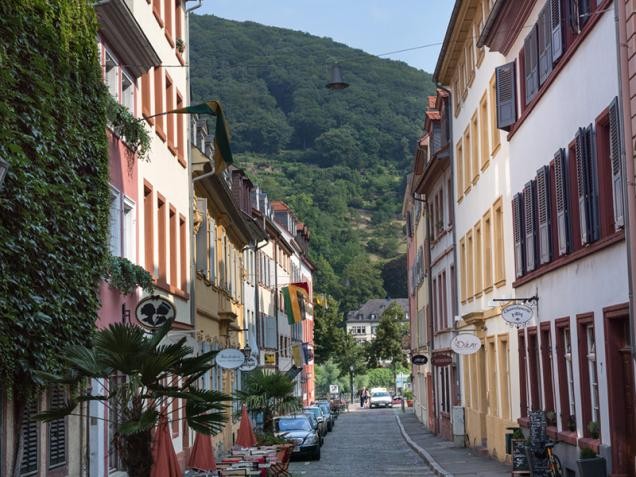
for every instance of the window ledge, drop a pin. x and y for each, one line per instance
(500, 283)
(571, 257)
(568, 437)
(589, 443)
(485, 165)
(181, 160)
(171, 289)
(475, 179)
(495, 150)
(524, 422)
(172, 149)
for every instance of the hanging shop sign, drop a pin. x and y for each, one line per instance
(516, 314)
(270, 358)
(230, 358)
(250, 364)
(442, 359)
(465, 344)
(419, 359)
(153, 311)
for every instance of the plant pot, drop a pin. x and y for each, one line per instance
(594, 467)
(409, 402)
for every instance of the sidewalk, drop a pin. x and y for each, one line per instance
(445, 459)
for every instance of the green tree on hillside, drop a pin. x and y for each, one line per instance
(387, 344)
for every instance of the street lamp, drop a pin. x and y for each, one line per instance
(4, 167)
(351, 382)
(336, 82)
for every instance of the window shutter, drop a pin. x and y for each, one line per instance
(30, 439)
(561, 202)
(615, 162)
(202, 236)
(557, 30)
(592, 182)
(437, 137)
(212, 249)
(506, 96)
(543, 212)
(582, 186)
(517, 228)
(545, 43)
(409, 224)
(531, 64)
(530, 225)
(57, 429)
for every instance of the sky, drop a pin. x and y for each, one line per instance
(375, 26)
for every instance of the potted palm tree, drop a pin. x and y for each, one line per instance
(590, 464)
(141, 375)
(270, 394)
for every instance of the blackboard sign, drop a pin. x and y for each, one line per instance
(538, 425)
(519, 458)
(538, 460)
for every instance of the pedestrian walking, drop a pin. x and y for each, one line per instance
(366, 398)
(361, 394)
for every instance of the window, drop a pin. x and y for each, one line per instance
(530, 65)
(462, 269)
(587, 186)
(587, 370)
(500, 265)
(115, 223)
(178, 18)
(460, 171)
(493, 393)
(534, 369)
(478, 27)
(470, 290)
(487, 262)
(159, 89)
(174, 257)
(561, 202)
(56, 429)
(504, 376)
(146, 97)
(30, 437)
(546, 362)
(543, 211)
(453, 288)
(495, 139)
(212, 247)
(449, 193)
(183, 253)
(544, 40)
(506, 95)
(566, 373)
(483, 132)
(167, 12)
(591, 366)
(444, 302)
(474, 151)
(529, 225)
(170, 118)
(523, 374)
(435, 320)
(470, 60)
(467, 160)
(201, 238)
(130, 230)
(180, 132)
(161, 235)
(479, 285)
(128, 93)
(518, 234)
(149, 238)
(156, 9)
(112, 75)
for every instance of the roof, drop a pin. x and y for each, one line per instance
(431, 101)
(433, 115)
(376, 307)
(279, 205)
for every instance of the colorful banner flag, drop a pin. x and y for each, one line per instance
(297, 355)
(222, 151)
(295, 296)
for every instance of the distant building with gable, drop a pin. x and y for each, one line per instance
(363, 322)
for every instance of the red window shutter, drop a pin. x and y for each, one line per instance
(531, 64)
(517, 230)
(544, 26)
(505, 85)
(615, 159)
(557, 30)
(582, 185)
(530, 225)
(543, 212)
(561, 199)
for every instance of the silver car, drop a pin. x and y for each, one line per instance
(381, 399)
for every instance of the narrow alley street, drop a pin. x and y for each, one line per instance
(364, 442)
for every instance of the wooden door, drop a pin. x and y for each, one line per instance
(621, 396)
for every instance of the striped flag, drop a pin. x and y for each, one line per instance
(295, 296)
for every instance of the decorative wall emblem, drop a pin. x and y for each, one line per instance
(153, 311)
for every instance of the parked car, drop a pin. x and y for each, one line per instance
(380, 399)
(298, 430)
(315, 425)
(326, 409)
(320, 417)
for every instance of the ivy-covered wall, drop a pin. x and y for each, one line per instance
(55, 202)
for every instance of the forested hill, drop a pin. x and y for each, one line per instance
(338, 158)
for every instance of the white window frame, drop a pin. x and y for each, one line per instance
(127, 93)
(115, 223)
(567, 346)
(592, 372)
(129, 225)
(111, 74)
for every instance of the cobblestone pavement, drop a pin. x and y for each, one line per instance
(364, 442)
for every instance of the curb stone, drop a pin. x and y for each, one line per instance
(433, 464)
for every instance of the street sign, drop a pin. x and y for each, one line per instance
(419, 359)
(333, 389)
(249, 364)
(270, 358)
(516, 314)
(153, 311)
(230, 358)
(441, 359)
(465, 344)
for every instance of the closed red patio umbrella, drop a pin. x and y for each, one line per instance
(164, 459)
(202, 457)
(245, 436)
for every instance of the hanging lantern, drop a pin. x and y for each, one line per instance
(335, 81)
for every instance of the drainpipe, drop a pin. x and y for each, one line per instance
(627, 159)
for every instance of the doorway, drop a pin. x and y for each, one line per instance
(620, 375)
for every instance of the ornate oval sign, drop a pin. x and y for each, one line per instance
(419, 359)
(249, 364)
(153, 311)
(516, 314)
(230, 358)
(442, 359)
(465, 344)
